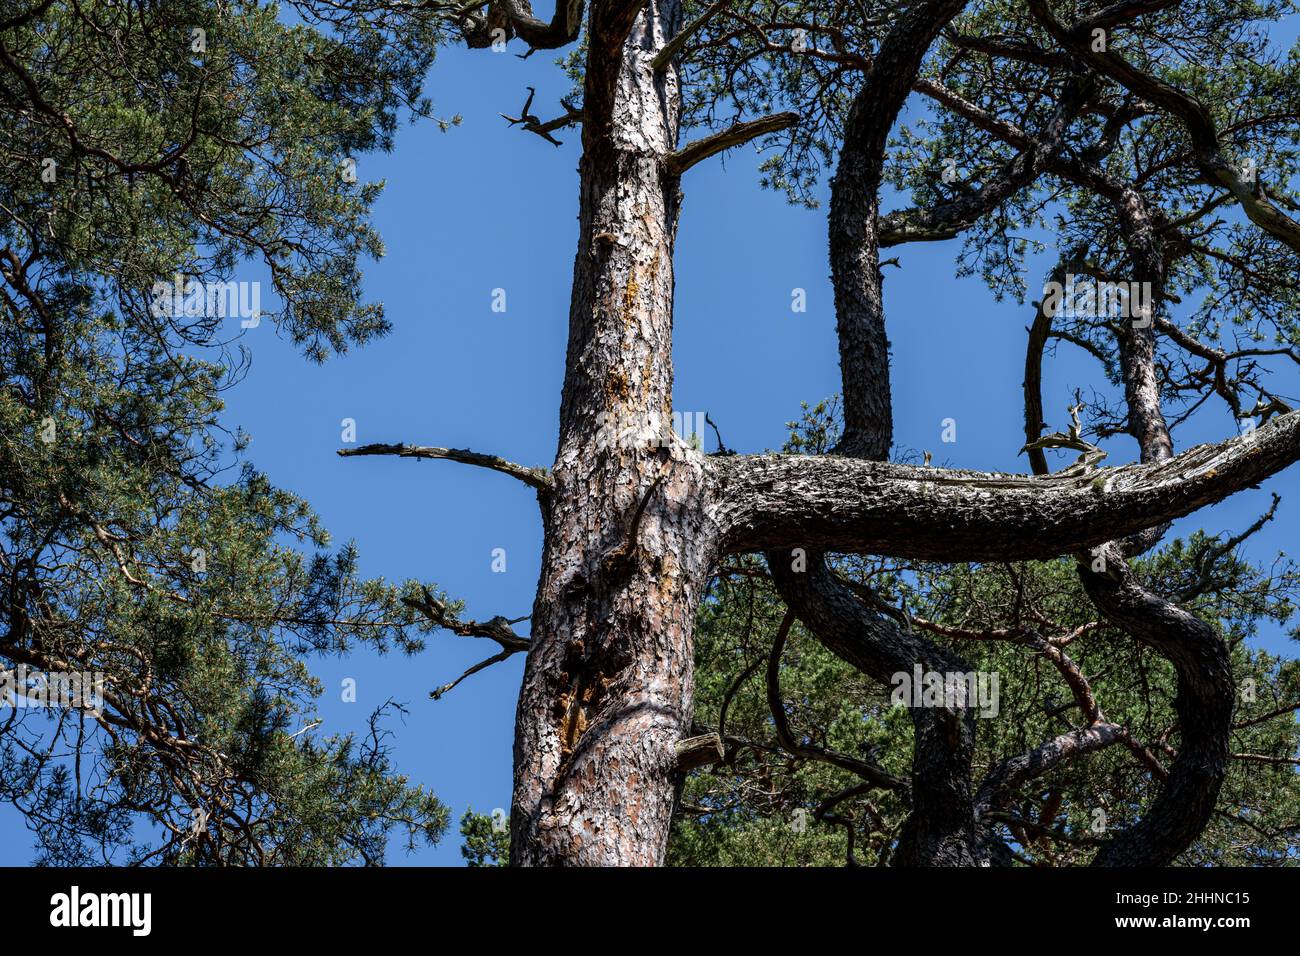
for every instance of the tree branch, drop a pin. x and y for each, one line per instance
(539, 34)
(949, 219)
(1196, 119)
(695, 752)
(999, 785)
(869, 771)
(1204, 706)
(686, 157)
(846, 505)
(498, 629)
(673, 46)
(537, 478)
(940, 828)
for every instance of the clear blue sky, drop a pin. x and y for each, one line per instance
(485, 206)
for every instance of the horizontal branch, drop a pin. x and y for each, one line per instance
(498, 629)
(537, 478)
(692, 153)
(766, 502)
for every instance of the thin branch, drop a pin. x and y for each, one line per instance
(496, 629)
(437, 693)
(868, 771)
(537, 478)
(1263, 718)
(1265, 758)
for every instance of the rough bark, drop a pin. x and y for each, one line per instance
(608, 687)
(1204, 704)
(840, 504)
(939, 828)
(1205, 695)
(854, 244)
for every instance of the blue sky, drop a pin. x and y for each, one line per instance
(484, 206)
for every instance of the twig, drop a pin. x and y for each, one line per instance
(496, 629)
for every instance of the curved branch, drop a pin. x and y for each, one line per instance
(562, 29)
(940, 829)
(1039, 333)
(872, 773)
(854, 231)
(1204, 705)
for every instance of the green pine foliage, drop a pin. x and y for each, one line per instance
(485, 842)
(141, 141)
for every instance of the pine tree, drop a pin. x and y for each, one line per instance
(153, 153)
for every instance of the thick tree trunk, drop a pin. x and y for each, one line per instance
(607, 691)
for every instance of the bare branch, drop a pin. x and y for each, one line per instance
(533, 124)
(686, 157)
(852, 506)
(496, 629)
(537, 478)
(538, 34)
(1002, 780)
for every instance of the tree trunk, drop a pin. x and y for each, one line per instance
(608, 686)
